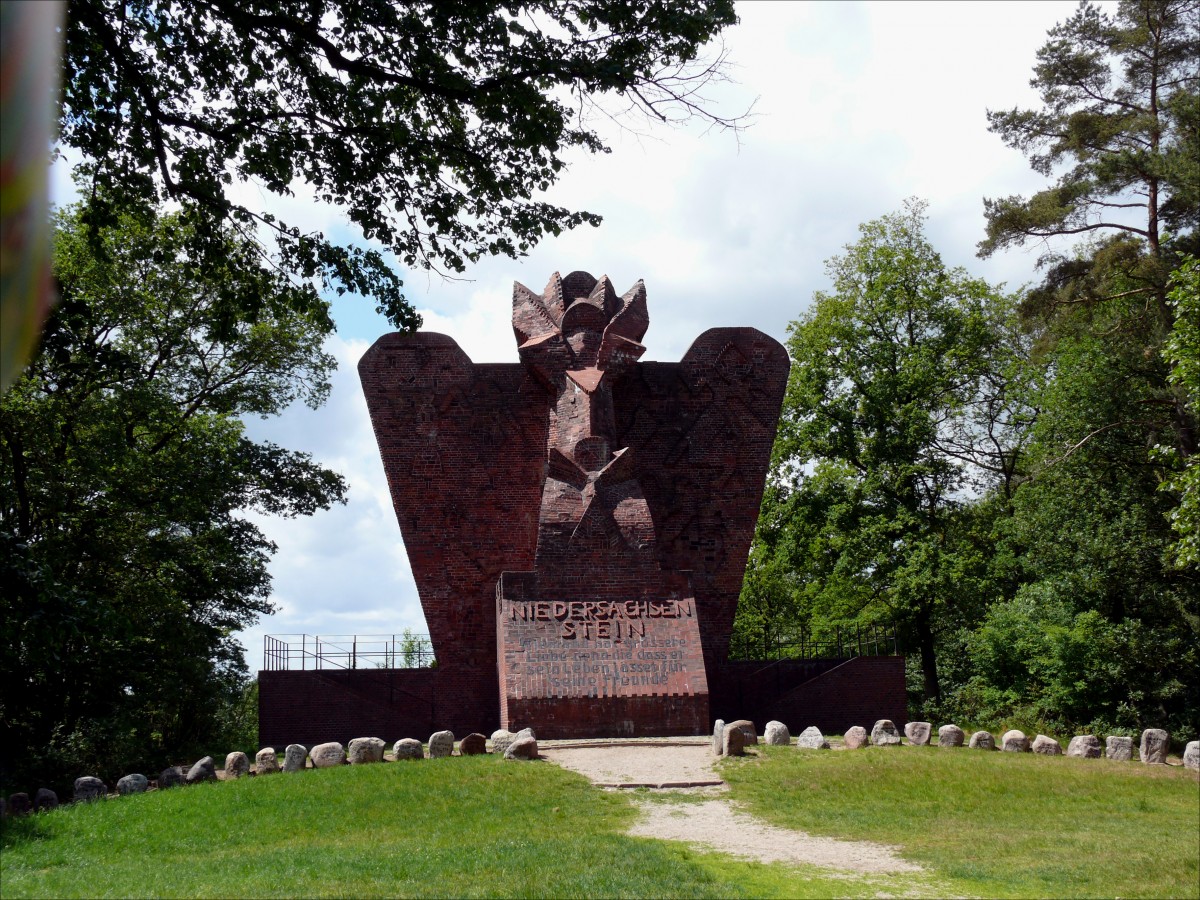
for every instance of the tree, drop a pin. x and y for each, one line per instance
(435, 125)
(1120, 125)
(124, 470)
(888, 429)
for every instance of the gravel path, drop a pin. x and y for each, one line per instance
(716, 823)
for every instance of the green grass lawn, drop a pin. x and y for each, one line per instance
(993, 824)
(982, 825)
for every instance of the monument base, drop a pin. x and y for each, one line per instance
(599, 667)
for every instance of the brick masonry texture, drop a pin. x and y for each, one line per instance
(578, 526)
(608, 479)
(313, 707)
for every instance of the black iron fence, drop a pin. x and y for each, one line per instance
(840, 643)
(282, 652)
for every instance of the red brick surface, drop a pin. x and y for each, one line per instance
(609, 479)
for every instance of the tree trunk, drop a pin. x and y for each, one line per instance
(933, 690)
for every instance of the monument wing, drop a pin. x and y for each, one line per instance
(463, 447)
(701, 432)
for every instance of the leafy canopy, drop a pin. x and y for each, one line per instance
(125, 474)
(435, 125)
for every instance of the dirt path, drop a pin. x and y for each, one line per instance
(715, 823)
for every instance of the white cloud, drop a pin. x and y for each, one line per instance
(860, 105)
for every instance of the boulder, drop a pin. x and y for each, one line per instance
(1118, 747)
(1154, 746)
(983, 740)
(294, 757)
(1014, 742)
(132, 784)
(365, 750)
(1046, 746)
(170, 777)
(856, 737)
(1191, 756)
(522, 748)
(266, 762)
(441, 743)
(718, 730)
(526, 732)
(45, 799)
(501, 739)
(19, 804)
(237, 764)
(327, 755)
(950, 736)
(89, 788)
(733, 741)
(472, 745)
(812, 739)
(918, 733)
(408, 748)
(777, 734)
(748, 729)
(885, 734)
(1085, 746)
(202, 770)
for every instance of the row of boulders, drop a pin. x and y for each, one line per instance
(521, 745)
(731, 740)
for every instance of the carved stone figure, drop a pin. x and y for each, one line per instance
(578, 523)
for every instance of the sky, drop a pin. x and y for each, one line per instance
(856, 107)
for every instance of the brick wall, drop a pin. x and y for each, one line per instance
(336, 705)
(832, 694)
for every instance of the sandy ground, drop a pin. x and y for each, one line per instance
(714, 823)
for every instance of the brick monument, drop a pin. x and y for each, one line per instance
(578, 522)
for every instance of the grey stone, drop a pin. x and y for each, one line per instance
(1154, 746)
(1085, 746)
(89, 788)
(408, 748)
(266, 762)
(132, 784)
(777, 734)
(748, 729)
(1014, 742)
(885, 734)
(237, 764)
(983, 740)
(365, 750)
(812, 739)
(202, 770)
(327, 755)
(294, 756)
(472, 745)
(950, 736)
(45, 799)
(526, 732)
(441, 743)
(501, 739)
(522, 748)
(1191, 755)
(718, 730)
(1118, 747)
(19, 804)
(918, 733)
(733, 741)
(170, 777)
(856, 737)
(1046, 746)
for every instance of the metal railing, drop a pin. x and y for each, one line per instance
(282, 652)
(842, 643)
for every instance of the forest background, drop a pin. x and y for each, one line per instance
(1006, 476)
